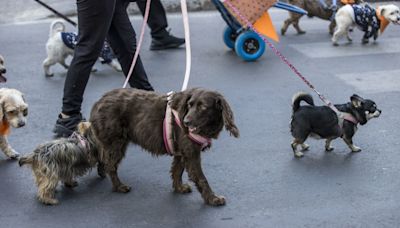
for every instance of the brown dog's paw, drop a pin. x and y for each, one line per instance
(101, 172)
(102, 175)
(183, 188)
(72, 184)
(122, 188)
(216, 201)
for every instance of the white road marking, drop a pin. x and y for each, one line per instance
(373, 82)
(326, 49)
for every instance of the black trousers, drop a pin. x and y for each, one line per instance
(157, 17)
(99, 19)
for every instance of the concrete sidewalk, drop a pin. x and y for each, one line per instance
(12, 11)
(26, 10)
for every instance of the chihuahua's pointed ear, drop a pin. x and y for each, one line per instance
(356, 101)
(228, 118)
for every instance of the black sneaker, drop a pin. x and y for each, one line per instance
(64, 127)
(166, 42)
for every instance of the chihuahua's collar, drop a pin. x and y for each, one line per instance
(84, 143)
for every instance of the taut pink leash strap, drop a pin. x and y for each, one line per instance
(282, 57)
(139, 45)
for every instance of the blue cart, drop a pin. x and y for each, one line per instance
(246, 43)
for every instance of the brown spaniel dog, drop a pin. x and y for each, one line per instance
(122, 116)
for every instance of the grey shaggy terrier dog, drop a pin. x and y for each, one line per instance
(62, 160)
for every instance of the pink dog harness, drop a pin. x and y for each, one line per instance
(172, 116)
(345, 116)
(81, 139)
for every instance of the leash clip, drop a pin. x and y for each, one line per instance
(170, 94)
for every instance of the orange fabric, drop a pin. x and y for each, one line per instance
(384, 22)
(344, 2)
(4, 128)
(264, 26)
(252, 10)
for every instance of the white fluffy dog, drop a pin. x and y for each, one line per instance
(371, 21)
(59, 48)
(13, 112)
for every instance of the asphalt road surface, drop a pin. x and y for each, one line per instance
(264, 184)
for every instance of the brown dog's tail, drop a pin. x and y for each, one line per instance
(301, 96)
(27, 159)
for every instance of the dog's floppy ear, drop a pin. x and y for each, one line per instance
(179, 102)
(356, 101)
(382, 11)
(1, 110)
(227, 116)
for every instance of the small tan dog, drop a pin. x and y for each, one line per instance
(13, 112)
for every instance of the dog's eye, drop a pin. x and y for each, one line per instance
(25, 112)
(12, 112)
(203, 107)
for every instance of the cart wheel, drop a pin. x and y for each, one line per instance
(249, 46)
(229, 37)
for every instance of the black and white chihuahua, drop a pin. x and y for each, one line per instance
(323, 122)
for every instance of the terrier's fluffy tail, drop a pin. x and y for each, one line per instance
(27, 159)
(56, 26)
(301, 96)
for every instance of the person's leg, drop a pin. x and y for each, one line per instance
(122, 39)
(157, 17)
(94, 17)
(158, 24)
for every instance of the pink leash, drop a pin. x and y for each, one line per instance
(139, 45)
(283, 58)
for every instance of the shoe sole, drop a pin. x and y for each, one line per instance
(170, 46)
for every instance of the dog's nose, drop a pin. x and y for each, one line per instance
(187, 121)
(21, 124)
(3, 71)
